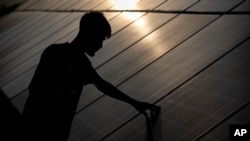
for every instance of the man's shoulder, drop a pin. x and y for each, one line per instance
(55, 49)
(64, 52)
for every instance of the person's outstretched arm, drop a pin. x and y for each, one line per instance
(113, 92)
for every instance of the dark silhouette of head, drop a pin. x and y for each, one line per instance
(94, 29)
(93, 24)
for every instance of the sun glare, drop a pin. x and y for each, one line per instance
(140, 23)
(125, 4)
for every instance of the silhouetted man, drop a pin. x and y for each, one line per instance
(59, 79)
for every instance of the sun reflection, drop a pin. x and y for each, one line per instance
(140, 23)
(125, 4)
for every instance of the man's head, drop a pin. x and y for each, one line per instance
(94, 28)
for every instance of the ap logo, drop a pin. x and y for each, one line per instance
(239, 132)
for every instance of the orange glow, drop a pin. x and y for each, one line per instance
(133, 16)
(125, 4)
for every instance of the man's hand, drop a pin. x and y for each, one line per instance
(143, 106)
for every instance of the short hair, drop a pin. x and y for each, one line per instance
(94, 23)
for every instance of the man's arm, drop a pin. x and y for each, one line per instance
(113, 92)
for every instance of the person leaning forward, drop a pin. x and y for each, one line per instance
(59, 79)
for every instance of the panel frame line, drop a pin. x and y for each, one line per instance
(147, 11)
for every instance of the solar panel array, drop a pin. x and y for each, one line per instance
(191, 57)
